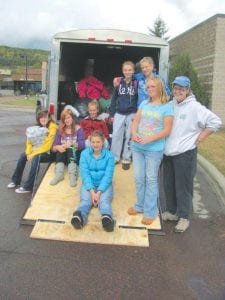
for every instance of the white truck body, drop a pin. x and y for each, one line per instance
(107, 49)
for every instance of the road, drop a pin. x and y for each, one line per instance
(175, 266)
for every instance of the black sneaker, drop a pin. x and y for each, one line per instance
(77, 220)
(108, 223)
(125, 164)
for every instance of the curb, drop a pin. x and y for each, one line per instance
(217, 178)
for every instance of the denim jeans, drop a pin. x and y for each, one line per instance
(35, 164)
(121, 136)
(178, 180)
(104, 204)
(146, 168)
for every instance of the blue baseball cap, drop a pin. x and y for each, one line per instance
(182, 81)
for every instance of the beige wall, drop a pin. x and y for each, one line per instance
(218, 93)
(205, 43)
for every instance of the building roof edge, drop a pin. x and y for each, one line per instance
(200, 24)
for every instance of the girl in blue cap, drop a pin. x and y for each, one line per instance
(193, 122)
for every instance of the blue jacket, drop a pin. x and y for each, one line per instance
(142, 91)
(96, 173)
(124, 98)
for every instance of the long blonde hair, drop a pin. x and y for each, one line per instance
(160, 88)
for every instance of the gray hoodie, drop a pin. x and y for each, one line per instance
(191, 117)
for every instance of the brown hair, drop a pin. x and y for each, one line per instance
(62, 126)
(43, 113)
(160, 88)
(97, 133)
(129, 63)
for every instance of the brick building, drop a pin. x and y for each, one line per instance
(23, 81)
(205, 44)
(27, 81)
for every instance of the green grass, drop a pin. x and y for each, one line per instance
(213, 149)
(23, 102)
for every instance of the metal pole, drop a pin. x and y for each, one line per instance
(26, 77)
(26, 74)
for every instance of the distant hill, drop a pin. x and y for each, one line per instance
(12, 58)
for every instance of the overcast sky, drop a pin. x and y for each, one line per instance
(27, 23)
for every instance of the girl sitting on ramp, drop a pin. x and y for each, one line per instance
(96, 171)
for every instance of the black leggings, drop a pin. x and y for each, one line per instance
(68, 156)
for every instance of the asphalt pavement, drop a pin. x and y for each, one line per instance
(175, 266)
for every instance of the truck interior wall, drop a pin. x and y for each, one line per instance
(106, 59)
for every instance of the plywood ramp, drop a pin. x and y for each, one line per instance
(57, 204)
(91, 233)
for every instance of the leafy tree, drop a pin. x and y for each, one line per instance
(181, 65)
(159, 28)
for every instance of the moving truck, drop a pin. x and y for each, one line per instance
(100, 52)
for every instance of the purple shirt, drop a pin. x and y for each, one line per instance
(78, 137)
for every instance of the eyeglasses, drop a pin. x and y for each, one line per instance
(180, 89)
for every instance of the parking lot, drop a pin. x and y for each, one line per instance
(175, 266)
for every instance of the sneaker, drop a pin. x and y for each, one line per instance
(12, 185)
(77, 220)
(108, 223)
(167, 216)
(125, 164)
(22, 190)
(182, 225)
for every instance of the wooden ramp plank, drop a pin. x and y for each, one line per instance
(58, 202)
(124, 197)
(91, 233)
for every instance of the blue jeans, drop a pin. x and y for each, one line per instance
(121, 136)
(35, 164)
(146, 168)
(104, 204)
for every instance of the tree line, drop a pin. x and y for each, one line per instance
(12, 58)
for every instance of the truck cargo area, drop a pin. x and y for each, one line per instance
(100, 53)
(107, 60)
(101, 61)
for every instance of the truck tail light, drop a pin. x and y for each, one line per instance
(51, 108)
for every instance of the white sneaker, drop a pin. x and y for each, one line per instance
(21, 190)
(124, 161)
(182, 225)
(167, 216)
(11, 185)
